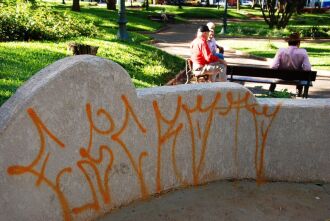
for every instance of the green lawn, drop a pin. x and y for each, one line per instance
(147, 65)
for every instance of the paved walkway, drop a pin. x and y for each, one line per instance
(175, 39)
(233, 201)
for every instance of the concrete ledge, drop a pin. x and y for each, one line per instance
(78, 140)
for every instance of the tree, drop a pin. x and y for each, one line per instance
(146, 2)
(111, 4)
(257, 3)
(75, 6)
(224, 19)
(277, 13)
(238, 4)
(180, 3)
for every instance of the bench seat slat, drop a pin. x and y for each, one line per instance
(267, 80)
(271, 73)
(272, 76)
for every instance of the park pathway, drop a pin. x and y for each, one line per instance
(175, 39)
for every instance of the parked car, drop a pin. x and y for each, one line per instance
(222, 2)
(317, 4)
(231, 2)
(246, 3)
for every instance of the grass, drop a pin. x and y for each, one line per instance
(105, 19)
(147, 65)
(284, 93)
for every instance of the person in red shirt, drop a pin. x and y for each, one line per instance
(204, 62)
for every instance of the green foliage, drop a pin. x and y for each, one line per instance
(22, 22)
(284, 93)
(260, 29)
(316, 32)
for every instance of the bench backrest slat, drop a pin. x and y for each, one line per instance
(271, 73)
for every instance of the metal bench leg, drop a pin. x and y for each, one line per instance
(305, 95)
(300, 89)
(272, 87)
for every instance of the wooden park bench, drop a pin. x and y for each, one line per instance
(259, 75)
(194, 76)
(162, 17)
(272, 77)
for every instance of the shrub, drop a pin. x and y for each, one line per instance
(21, 22)
(284, 93)
(315, 32)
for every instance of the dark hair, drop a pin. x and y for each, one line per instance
(203, 28)
(294, 43)
(293, 39)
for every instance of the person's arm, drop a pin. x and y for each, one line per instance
(221, 50)
(306, 65)
(276, 61)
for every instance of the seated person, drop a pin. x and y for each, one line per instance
(292, 58)
(203, 60)
(213, 43)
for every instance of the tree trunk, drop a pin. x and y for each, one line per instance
(224, 21)
(75, 6)
(111, 4)
(277, 13)
(78, 49)
(147, 4)
(253, 4)
(238, 4)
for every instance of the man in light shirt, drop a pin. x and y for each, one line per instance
(293, 57)
(213, 43)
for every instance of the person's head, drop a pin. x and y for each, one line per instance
(211, 34)
(294, 39)
(203, 31)
(210, 25)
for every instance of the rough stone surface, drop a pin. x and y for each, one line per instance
(78, 140)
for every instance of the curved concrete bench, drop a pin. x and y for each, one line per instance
(78, 140)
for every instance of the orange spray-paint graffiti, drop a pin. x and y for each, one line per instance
(41, 178)
(96, 162)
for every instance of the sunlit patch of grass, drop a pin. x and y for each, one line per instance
(147, 65)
